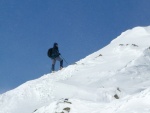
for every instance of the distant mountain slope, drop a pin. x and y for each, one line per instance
(115, 79)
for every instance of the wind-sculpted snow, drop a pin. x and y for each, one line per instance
(115, 79)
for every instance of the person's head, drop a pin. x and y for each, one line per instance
(55, 44)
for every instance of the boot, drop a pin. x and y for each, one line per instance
(61, 68)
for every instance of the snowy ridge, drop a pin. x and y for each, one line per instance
(115, 79)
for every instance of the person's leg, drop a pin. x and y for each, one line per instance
(53, 64)
(61, 62)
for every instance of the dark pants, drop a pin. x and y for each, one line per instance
(54, 61)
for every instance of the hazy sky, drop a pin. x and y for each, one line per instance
(80, 27)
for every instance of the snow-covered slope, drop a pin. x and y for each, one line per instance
(115, 79)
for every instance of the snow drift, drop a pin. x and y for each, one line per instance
(115, 79)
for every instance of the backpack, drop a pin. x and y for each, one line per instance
(49, 53)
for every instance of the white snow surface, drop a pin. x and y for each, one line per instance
(115, 79)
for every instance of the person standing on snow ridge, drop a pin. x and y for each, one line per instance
(56, 56)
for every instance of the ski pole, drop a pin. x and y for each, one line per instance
(64, 59)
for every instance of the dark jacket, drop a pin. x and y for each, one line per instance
(55, 52)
